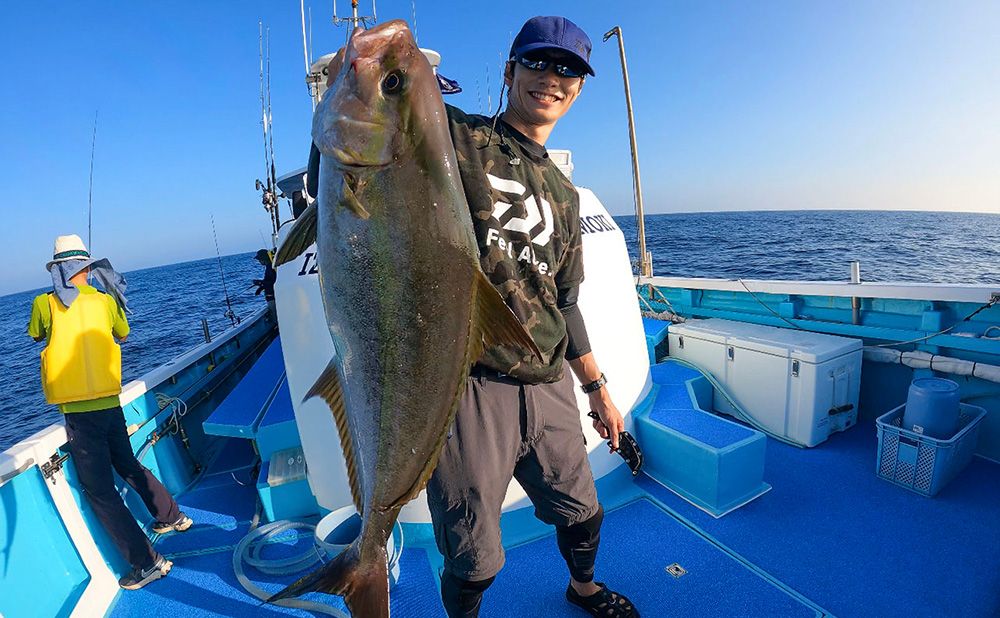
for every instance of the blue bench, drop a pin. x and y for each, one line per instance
(711, 462)
(282, 484)
(260, 409)
(243, 408)
(277, 430)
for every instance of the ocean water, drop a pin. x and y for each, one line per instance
(169, 302)
(934, 247)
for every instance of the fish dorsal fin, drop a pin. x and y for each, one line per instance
(328, 388)
(302, 235)
(493, 323)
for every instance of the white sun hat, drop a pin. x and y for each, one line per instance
(69, 247)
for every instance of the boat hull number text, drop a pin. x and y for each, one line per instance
(308, 265)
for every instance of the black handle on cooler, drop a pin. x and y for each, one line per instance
(847, 407)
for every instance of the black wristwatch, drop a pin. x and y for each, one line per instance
(596, 385)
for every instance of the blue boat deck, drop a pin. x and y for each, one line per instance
(857, 545)
(829, 539)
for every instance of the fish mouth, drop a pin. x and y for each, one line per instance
(351, 158)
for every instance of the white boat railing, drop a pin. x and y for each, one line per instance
(980, 294)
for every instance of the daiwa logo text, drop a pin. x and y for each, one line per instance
(539, 213)
(534, 216)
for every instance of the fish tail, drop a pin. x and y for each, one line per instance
(364, 584)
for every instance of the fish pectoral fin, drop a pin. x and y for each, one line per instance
(328, 388)
(494, 323)
(302, 235)
(350, 187)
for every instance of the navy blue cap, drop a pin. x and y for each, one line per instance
(553, 33)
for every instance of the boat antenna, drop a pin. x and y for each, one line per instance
(645, 257)
(355, 20)
(90, 191)
(269, 186)
(233, 318)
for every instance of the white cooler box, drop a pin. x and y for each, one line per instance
(797, 384)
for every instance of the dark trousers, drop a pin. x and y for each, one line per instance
(99, 445)
(507, 429)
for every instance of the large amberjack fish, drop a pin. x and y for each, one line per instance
(408, 307)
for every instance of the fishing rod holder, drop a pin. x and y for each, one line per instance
(53, 465)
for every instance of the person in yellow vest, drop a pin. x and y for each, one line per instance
(81, 373)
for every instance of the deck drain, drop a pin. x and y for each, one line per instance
(676, 570)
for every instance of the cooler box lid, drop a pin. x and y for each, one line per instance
(804, 346)
(696, 329)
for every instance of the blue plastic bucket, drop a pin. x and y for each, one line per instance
(932, 408)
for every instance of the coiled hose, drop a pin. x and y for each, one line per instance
(249, 550)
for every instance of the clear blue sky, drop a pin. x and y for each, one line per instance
(739, 105)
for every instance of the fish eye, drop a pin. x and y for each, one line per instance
(393, 83)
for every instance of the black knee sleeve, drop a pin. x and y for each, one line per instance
(578, 545)
(461, 597)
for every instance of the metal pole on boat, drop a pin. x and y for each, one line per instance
(855, 301)
(645, 258)
(204, 330)
(355, 20)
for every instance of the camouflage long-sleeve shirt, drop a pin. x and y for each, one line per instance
(526, 218)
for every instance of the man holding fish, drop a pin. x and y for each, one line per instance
(519, 415)
(451, 302)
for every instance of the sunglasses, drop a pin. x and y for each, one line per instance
(541, 64)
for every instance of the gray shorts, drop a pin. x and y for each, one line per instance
(503, 429)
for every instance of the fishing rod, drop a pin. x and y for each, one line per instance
(233, 318)
(413, 22)
(273, 177)
(269, 187)
(311, 84)
(90, 191)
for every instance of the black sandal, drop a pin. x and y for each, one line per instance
(603, 603)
